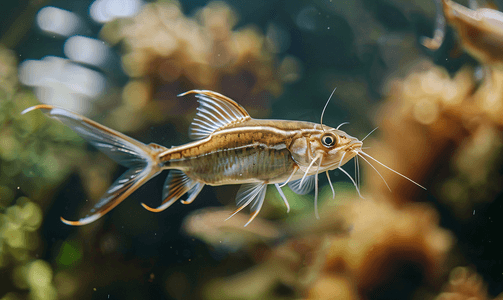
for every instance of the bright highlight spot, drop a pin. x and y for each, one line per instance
(103, 11)
(86, 50)
(39, 274)
(53, 20)
(60, 82)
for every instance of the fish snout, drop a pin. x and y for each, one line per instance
(355, 145)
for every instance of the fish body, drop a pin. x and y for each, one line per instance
(230, 147)
(250, 151)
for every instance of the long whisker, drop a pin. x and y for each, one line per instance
(352, 180)
(331, 186)
(342, 158)
(316, 190)
(361, 152)
(309, 167)
(324, 108)
(283, 196)
(356, 174)
(290, 177)
(358, 171)
(341, 125)
(376, 171)
(369, 133)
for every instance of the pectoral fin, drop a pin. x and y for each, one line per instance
(307, 185)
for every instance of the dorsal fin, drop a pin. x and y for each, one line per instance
(214, 112)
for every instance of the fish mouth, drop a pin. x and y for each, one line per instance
(355, 146)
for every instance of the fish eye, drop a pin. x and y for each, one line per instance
(328, 140)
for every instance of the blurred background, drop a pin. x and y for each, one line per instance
(427, 73)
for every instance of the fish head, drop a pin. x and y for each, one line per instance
(335, 147)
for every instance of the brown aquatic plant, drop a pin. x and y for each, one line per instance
(439, 122)
(166, 53)
(357, 246)
(480, 30)
(465, 284)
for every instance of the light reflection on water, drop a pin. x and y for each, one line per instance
(87, 51)
(61, 82)
(103, 11)
(53, 20)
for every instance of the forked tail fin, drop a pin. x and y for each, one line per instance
(141, 159)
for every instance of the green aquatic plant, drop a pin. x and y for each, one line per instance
(20, 247)
(36, 156)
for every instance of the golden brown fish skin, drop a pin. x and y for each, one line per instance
(270, 132)
(250, 164)
(249, 151)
